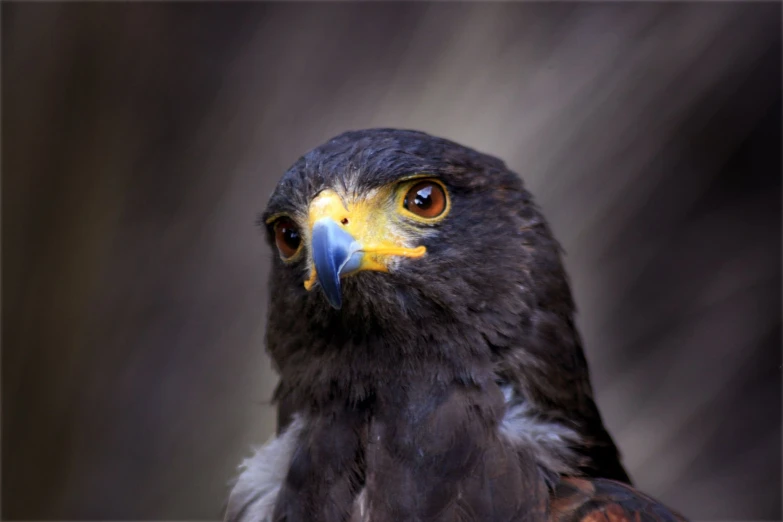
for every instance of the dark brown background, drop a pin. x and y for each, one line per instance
(140, 140)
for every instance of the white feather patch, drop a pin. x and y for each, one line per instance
(261, 476)
(550, 442)
(361, 509)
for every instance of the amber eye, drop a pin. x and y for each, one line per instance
(426, 199)
(287, 237)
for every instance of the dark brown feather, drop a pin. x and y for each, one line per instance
(603, 500)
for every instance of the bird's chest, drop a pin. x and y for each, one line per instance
(427, 454)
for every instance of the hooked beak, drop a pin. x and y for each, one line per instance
(335, 253)
(343, 242)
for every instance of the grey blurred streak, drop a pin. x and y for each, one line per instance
(140, 141)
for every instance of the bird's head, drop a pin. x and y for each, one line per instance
(410, 236)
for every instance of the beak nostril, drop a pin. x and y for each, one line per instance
(344, 221)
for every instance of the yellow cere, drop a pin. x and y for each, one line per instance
(371, 219)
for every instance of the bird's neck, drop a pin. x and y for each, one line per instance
(381, 362)
(328, 359)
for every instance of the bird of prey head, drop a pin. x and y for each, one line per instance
(422, 326)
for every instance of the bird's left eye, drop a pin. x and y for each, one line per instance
(287, 237)
(426, 199)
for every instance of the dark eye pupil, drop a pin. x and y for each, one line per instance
(291, 237)
(423, 198)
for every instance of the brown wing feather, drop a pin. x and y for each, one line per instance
(603, 500)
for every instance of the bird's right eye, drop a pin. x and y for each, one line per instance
(287, 237)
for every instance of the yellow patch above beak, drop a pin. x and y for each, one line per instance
(349, 238)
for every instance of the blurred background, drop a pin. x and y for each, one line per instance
(140, 140)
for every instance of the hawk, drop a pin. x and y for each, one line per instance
(422, 326)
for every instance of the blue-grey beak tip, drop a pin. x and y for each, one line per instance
(332, 249)
(332, 291)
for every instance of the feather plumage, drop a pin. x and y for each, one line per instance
(451, 387)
